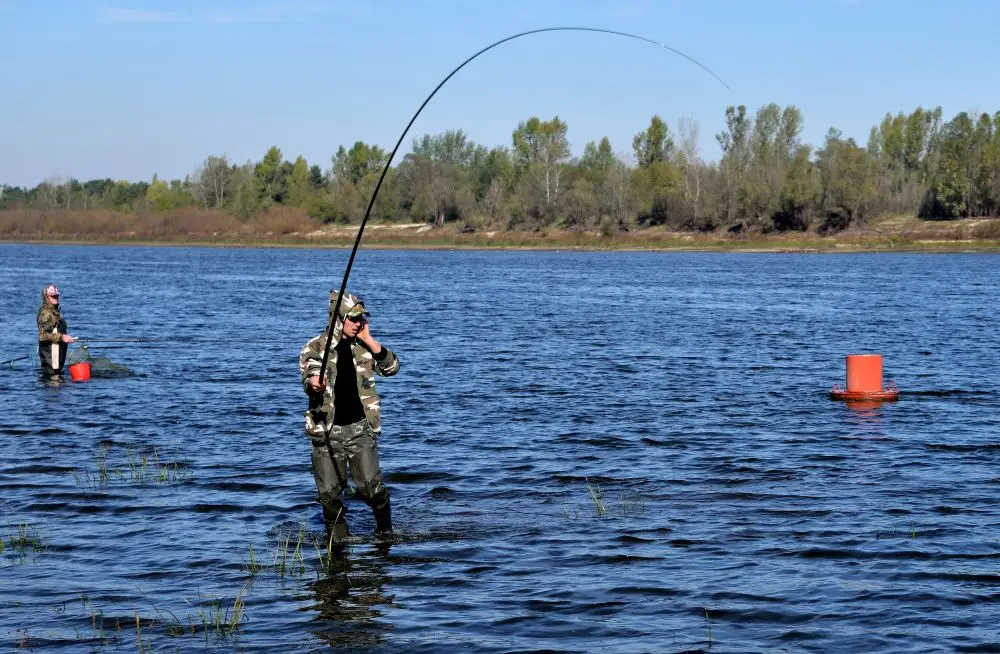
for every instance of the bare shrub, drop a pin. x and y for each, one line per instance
(988, 230)
(187, 222)
(279, 220)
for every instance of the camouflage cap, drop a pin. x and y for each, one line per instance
(350, 305)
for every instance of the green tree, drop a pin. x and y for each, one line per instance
(212, 182)
(246, 193)
(437, 178)
(799, 193)
(904, 148)
(158, 195)
(597, 160)
(360, 162)
(848, 182)
(736, 158)
(540, 150)
(659, 189)
(355, 173)
(271, 177)
(316, 178)
(300, 187)
(655, 145)
(493, 175)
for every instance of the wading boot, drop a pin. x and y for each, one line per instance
(383, 520)
(337, 533)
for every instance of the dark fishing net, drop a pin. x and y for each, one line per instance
(100, 366)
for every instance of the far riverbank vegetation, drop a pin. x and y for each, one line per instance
(917, 179)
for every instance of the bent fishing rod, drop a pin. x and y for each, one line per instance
(385, 169)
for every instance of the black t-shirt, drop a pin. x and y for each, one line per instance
(346, 401)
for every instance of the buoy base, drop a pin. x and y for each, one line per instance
(80, 371)
(888, 394)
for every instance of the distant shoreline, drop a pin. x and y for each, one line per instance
(212, 229)
(754, 247)
(521, 242)
(293, 229)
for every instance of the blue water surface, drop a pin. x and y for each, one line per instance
(587, 452)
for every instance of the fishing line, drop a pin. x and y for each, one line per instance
(146, 344)
(128, 347)
(192, 340)
(385, 169)
(83, 339)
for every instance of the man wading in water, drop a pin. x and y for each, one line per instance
(343, 419)
(53, 338)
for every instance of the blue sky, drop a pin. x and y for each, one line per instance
(128, 89)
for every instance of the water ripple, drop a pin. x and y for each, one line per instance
(613, 452)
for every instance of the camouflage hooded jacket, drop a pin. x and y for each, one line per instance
(51, 324)
(319, 415)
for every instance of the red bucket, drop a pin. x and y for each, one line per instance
(80, 371)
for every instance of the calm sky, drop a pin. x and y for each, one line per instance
(128, 89)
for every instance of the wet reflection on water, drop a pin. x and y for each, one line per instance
(349, 597)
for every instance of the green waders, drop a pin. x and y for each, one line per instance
(353, 446)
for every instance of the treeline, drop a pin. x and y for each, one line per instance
(766, 180)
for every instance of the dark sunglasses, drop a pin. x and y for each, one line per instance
(356, 318)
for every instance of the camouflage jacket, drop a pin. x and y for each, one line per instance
(319, 415)
(51, 324)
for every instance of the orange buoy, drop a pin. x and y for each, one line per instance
(864, 380)
(80, 371)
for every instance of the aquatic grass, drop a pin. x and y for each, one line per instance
(283, 563)
(24, 639)
(27, 537)
(629, 503)
(325, 556)
(216, 616)
(333, 553)
(138, 637)
(597, 497)
(102, 470)
(708, 623)
(173, 626)
(137, 468)
(25, 541)
(97, 619)
(571, 514)
(238, 615)
(98, 630)
(222, 618)
(252, 566)
(286, 558)
(894, 533)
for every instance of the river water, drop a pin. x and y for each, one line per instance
(614, 452)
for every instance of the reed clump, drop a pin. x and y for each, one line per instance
(213, 617)
(22, 542)
(222, 618)
(136, 468)
(629, 503)
(597, 497)
(286, 556)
